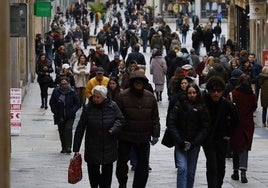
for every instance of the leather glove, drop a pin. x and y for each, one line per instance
(154, 140)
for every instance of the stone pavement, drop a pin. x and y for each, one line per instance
(36, 161)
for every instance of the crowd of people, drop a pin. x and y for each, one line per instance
(211, 101)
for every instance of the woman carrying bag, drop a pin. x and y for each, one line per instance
(102, 120)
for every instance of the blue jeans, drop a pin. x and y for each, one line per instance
(144, 45)
(186, 162)
(183, 38)
(49, 54)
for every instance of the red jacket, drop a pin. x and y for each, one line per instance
(246, 104)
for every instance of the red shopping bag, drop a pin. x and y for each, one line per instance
(75, 169)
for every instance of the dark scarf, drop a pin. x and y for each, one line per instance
(65, 90)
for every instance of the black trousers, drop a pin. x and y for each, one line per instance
(100, 176)
(215, 163)
(66, 135)
(44, 90)
(141, 173)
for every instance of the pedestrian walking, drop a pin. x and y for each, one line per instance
(49, 46)
(64, 103)
(113, 89)
(184, 30)
(81, 71)
(99, 79)
(39, 45)
(224, 118)
(207, 37)
(124, 45)
(75, 55)
(65, 72)
(263, 81)
(137, 56)
(158, 68)
(211, 19)
(43, 70)
(140, 109)
(241, 140)
(101, 118)
(217, 32)
(60, 59)
(188, 126)
(144, 36)
(257, 69)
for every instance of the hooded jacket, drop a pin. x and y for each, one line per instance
(140, 112)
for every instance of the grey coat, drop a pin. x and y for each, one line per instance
(158, 69)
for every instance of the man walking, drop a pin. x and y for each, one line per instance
(140, 110)
(224, 118)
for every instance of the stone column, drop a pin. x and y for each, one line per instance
(4, 99)
(231, 21)
(257, 35)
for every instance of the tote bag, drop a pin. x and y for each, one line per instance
(75, 169)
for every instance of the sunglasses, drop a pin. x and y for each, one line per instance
(216, 90)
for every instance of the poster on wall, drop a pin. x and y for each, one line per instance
(15, 111)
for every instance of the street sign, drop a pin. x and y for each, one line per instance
(42, 9)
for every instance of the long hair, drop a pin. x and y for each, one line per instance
(199, 98)
(112, 93)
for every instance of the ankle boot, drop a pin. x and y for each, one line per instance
(42, 103)
(243, 176)
(157, 96)
(235, 175)
(45, 103)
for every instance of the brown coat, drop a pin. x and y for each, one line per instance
(141, 116)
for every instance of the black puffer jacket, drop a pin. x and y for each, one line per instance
(188, 122)
(224, 119)
(97, 120)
